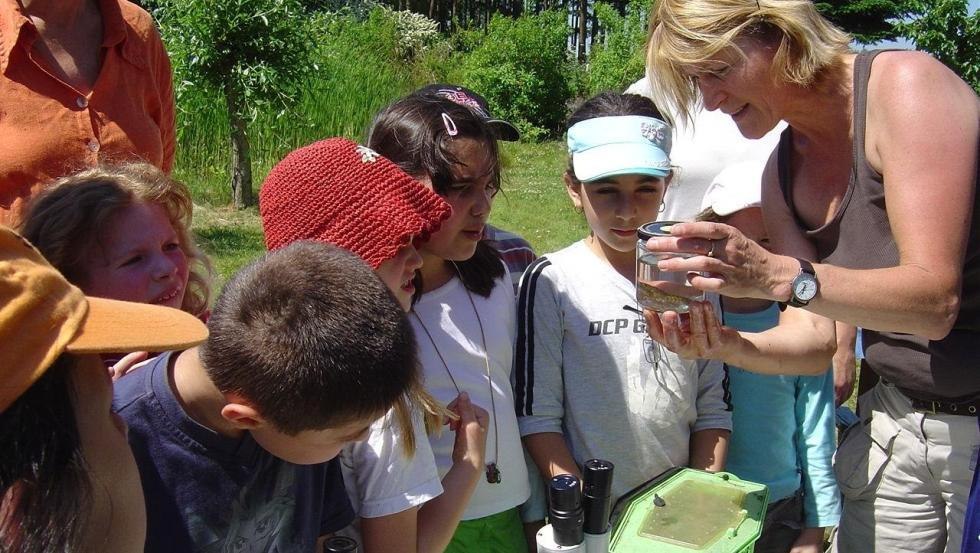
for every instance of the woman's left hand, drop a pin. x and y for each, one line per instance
(729, 263)
(697, 334)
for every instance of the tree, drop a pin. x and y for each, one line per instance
(618, 59)
(255, 53)
(950, 33)
(521, 66)
(869, 21)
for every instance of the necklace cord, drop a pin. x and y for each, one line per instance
(491, 465)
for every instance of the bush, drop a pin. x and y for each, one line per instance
(521, 66)
(618, 61)
(357, 71)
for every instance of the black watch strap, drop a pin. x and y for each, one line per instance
(807, 267)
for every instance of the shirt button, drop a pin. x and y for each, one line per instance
(93, 145)
(81, 102)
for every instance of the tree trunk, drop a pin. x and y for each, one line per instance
(241, 159)
(595, 30)
(583, 7)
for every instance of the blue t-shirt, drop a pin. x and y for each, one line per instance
(207, 492)
(783, 430)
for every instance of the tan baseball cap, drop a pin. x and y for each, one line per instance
(42, 315)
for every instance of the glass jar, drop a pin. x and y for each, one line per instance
(658, 290)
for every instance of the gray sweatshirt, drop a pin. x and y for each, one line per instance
(585, 368)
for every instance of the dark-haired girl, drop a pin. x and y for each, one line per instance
(589, 383)
(464, 316)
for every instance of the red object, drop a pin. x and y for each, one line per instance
(49, 129)
(348, 195)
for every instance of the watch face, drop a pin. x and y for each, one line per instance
(804, 289)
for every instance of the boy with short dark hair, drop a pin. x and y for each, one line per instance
(234, 439)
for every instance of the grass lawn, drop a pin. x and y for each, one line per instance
(533, 204)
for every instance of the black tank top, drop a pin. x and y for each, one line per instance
(859, 237)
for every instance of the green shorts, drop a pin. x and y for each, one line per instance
(499, 533)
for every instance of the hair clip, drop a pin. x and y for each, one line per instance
(450, 125)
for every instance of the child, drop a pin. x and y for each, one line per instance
(233, 439)
(589, 383)
(464, 317)
(337, 192)
(123, 232)
(783, 433)
(68, 481)
(515, 251)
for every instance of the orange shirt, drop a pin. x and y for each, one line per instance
(49, 129)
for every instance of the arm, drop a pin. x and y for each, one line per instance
(709, 448)
(538, 381)
(709, 436)
(431, 527)
(439, 517)
(395, 533)
(802, 343)
(551, 455)
(815, 446)
(809, 541)
(922, 137)
(845, 362)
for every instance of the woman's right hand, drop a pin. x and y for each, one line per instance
(470, 427)
(696, 335)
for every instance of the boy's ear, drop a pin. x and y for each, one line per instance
(240, 413)
(574, 189)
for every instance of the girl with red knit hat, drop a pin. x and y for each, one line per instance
(464, 316)
(338, 192)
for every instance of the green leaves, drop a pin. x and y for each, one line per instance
(617, 60)
(522, 67)
(950, 33)
(260, 49)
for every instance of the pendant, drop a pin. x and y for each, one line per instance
(493, 473)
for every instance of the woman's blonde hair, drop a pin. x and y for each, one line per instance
(67, 220)
(686, 34)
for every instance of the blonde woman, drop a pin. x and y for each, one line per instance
(869, 199)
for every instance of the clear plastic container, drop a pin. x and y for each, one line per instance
(658, 290)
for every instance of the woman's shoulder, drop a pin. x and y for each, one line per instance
(912, 98)
(140, 22)
(910, 76)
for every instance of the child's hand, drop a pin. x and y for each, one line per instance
(129, 362)
(696, 335)
(471, 432)
(810, 541)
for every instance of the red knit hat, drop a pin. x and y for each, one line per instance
(348, 195)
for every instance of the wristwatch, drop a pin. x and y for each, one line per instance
(805, 286)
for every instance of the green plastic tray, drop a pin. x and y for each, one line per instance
(690, 510)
